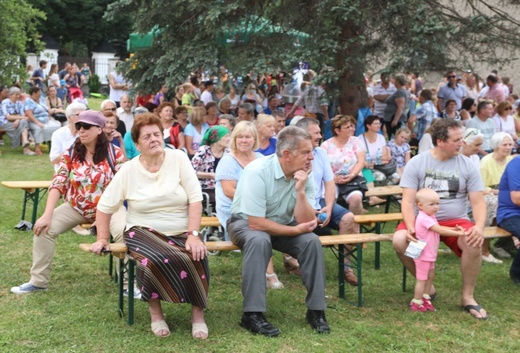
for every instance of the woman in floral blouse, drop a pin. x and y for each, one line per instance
(83, 175)
(205, 161)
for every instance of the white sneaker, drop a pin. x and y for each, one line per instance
(137, 293)
(491, 259)
(26, 288)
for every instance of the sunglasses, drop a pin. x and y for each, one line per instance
(453, 76)
(110, 109)
(471, 132)
(85, 126)
(509, 108)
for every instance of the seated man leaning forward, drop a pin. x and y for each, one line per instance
(272, 209)
(455, 178)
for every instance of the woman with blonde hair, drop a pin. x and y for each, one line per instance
(265, 125)
(195, 130)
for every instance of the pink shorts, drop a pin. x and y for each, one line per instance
(422, 268)
(451, 242)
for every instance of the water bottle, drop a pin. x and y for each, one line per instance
(322, 217)
(379, 157)
(344, 169)
(369, 161)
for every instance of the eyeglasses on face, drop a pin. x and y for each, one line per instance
(110, 109)
(452, 76)
(509, 108)
(85, 126)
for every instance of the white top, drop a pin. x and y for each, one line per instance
(379, 107)
(206, 97)
(507, 125)
(155, 200)
(127, 118)
(61, 141)
(116, 94)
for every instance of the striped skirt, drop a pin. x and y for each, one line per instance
(165, 270)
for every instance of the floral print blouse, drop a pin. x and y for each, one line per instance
(345, 155)
(82, 183)
(204, 161)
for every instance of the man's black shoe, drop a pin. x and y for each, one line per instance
(316, 318)
(257, 323)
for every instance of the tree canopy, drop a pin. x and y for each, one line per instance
(83, 22)
(18, 21)
(341, 38)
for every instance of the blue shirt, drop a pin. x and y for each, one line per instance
(322, 171)
(457, 93)
(510, 182)
(39, 110)
(425, 115)
(228, 169)
(269, 150)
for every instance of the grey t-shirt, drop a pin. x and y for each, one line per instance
(452, 180)
(391, 105)
(486, 127)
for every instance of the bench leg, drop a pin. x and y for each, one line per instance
(341, 270)
(131, 277)
(359, 275)
(120, 274)
(404, 278)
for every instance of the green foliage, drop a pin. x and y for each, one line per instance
(345, 36)
(83, 23)
(18, 21)
(94, 84)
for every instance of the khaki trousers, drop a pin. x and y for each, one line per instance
(64, 219)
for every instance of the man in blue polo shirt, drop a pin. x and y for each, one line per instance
(451, 90)
(272, 209)
(338, 217)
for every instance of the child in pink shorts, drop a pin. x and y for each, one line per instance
(427, 229)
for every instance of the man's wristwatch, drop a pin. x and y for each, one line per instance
(193, 232)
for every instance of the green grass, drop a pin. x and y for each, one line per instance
(78, 313)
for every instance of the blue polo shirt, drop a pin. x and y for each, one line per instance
(322, 171)
(510, 182)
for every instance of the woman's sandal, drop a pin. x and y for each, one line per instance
(199, 330)
(289, 267)
(159, 326)
(273, 285)
(478, 309)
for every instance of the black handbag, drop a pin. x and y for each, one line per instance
(387, 169)
(60, 117)
(359, 183)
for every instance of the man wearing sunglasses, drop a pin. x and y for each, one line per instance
(451, 90)
(110, 106)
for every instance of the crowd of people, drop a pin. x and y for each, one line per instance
(140, 166)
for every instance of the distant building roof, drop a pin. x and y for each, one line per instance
(50, 43)
(104, 47)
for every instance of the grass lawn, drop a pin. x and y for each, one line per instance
(79, 311)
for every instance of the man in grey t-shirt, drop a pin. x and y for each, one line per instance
(456, 180)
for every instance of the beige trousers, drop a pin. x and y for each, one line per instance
(64, 219)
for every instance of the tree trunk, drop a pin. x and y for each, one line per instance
(352, 88)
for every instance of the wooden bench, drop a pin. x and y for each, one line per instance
(371, 223)
(34, 191)
(390, 192)
(119, 251)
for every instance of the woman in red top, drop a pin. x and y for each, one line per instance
(173, 131)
